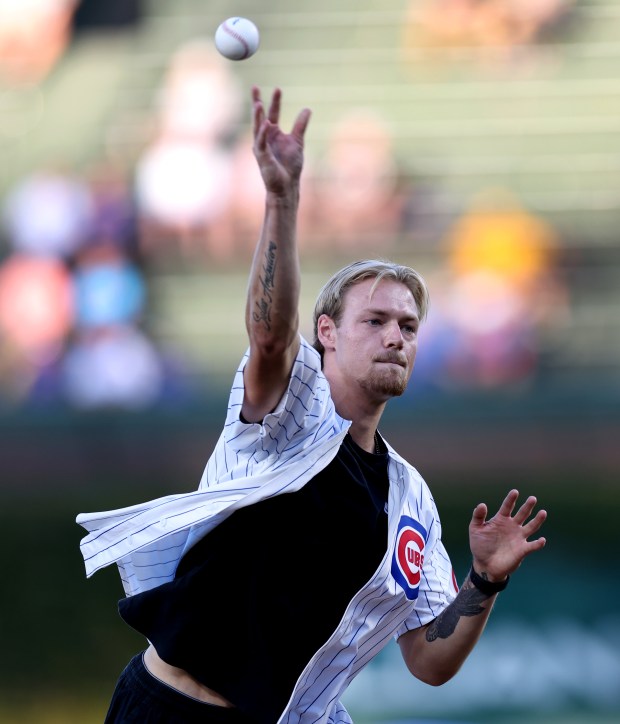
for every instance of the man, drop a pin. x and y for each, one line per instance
(310, 542)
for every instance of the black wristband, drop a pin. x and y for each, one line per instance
(490, 588)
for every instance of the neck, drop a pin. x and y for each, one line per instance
(364, 413)
(364, 435)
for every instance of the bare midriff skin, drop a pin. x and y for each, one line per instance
(180, 680)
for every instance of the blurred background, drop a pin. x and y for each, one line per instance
(477, 140)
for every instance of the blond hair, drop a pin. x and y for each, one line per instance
(330, 300)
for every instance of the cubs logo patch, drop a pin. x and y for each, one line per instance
(408, 557)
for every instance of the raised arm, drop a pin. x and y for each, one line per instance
(434, 653)
(272, 309)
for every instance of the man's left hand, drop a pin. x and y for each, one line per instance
(500, 544)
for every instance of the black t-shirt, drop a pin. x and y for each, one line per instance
(253, 601)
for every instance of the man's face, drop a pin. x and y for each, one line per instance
(373, 348)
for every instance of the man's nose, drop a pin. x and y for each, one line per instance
(393, 335)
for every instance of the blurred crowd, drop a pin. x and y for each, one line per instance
(78, 249)
(73, 297)
(497, 298)
(501, 33)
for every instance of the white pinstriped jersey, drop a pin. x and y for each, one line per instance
(252, 462)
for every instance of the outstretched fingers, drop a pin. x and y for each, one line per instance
(534, 545)
(260, 137)
(525, 510)
(301, 123)
(259, 110)
(480, 514)
(508, 504)
(274, 107)
(535, 524)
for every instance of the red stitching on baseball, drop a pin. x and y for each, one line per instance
(238, 37)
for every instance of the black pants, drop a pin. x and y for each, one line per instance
(140, 698)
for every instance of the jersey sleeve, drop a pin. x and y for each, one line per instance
(438, 588)
(304, 415)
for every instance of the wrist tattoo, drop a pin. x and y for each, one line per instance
(467, 603)
(262, 312)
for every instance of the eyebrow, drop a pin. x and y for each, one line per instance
(382, 313)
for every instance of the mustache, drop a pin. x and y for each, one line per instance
(394, 358)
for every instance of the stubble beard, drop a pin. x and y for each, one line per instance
(385, 386)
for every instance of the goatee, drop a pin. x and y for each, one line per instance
(385, 386)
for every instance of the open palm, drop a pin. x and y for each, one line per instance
(500, 544)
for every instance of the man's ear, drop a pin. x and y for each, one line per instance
(326, 331)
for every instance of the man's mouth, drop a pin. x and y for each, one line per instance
(393, 360)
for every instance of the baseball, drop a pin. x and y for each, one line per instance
(237, 38)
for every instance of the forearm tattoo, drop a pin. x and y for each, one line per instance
(262, 313)
(467, 603)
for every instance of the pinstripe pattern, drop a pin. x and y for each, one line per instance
(249, 463)
(380, 611)
(252, 462)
